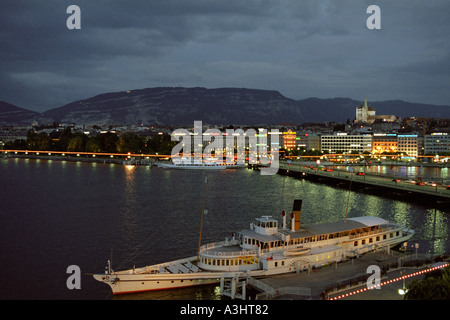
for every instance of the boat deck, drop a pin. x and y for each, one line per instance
(226, 251)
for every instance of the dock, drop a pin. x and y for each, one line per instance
(367, 181)
(333, 280)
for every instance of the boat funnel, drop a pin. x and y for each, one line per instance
(297, 211)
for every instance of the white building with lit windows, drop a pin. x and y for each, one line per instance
(344, 143)
(408, 144)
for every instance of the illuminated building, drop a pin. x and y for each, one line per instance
(384, 142)
(408, 144)
(364, 112)
(308, 141)
(343, 143)
(437, 143)
(289, 140)
(367, 114)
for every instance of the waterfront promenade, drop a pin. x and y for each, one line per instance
(347, 280)
(367, 180)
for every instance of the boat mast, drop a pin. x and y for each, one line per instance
(109, 266)
(201, 222)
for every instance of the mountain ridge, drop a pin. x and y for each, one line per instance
(10, 113)
(182, 106)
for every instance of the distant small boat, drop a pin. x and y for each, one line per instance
(186, 165)
(129, 161)
(191, 166)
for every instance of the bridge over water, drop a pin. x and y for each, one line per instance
(438, 192)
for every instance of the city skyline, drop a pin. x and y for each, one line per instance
(309, 49)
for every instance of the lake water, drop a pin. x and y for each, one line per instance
(54, 214)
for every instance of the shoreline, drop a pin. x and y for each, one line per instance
(139, 159)
(96, 159)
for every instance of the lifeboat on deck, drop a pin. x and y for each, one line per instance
(296, 251)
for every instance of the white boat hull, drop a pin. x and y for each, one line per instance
(134, 283)
(190, 167)
(200, 166)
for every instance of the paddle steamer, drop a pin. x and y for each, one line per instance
(265, 249)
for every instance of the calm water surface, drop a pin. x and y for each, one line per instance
(55, 214)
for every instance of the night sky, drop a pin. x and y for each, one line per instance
(307, 48)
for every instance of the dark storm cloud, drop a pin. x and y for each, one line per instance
(301, 48)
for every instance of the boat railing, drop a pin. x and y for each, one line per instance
(226, 243)
(368, 233)
(207, 249)
(287, 247)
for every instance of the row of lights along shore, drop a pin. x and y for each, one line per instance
(389, 282)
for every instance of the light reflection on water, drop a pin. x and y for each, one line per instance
(56, 214)
(440, 175)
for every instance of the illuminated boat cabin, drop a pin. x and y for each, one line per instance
(265, 240)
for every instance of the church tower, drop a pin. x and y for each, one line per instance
(363, 112)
